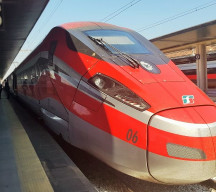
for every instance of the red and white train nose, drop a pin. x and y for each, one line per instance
(182, 145)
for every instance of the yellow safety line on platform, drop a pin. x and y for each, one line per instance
(31, 173)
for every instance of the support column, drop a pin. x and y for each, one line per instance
(201, 62)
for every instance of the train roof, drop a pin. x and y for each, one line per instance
(74, 28)
(71, 26)
(89, 25)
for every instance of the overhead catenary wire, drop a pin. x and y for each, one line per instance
(120, 10)
(44, 22)
(111, 14)
(31, 40)
(182, 14)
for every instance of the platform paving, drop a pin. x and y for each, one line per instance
(30, 159)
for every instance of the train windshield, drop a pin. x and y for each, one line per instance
(121, 40)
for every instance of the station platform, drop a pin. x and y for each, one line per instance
(30, 159)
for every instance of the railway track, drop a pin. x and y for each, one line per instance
(106, 179)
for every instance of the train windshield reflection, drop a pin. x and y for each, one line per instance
(121, 40)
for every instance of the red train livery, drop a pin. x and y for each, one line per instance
(109, 91)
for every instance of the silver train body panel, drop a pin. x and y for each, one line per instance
(113, 151)
(176, 171)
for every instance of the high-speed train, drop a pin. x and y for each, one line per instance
(189, 70)
(108, 91)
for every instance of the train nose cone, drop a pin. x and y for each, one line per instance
(182, 145)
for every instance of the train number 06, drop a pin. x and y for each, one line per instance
(132, 136)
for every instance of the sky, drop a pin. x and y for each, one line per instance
(151, 18)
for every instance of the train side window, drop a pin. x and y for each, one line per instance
(33, 75)
(51, 67)
(21, 78)
(25, 78)
(56, 69)
(25, 75)
(42, 69)
(29, 75)
(17, 79)
(37, 72)
(41, 66)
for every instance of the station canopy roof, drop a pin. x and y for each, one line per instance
(19, 17)
(204, 33)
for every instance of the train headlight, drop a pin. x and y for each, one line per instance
(118, 91)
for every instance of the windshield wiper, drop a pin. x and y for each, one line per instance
(98, 41)
(133, 62)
